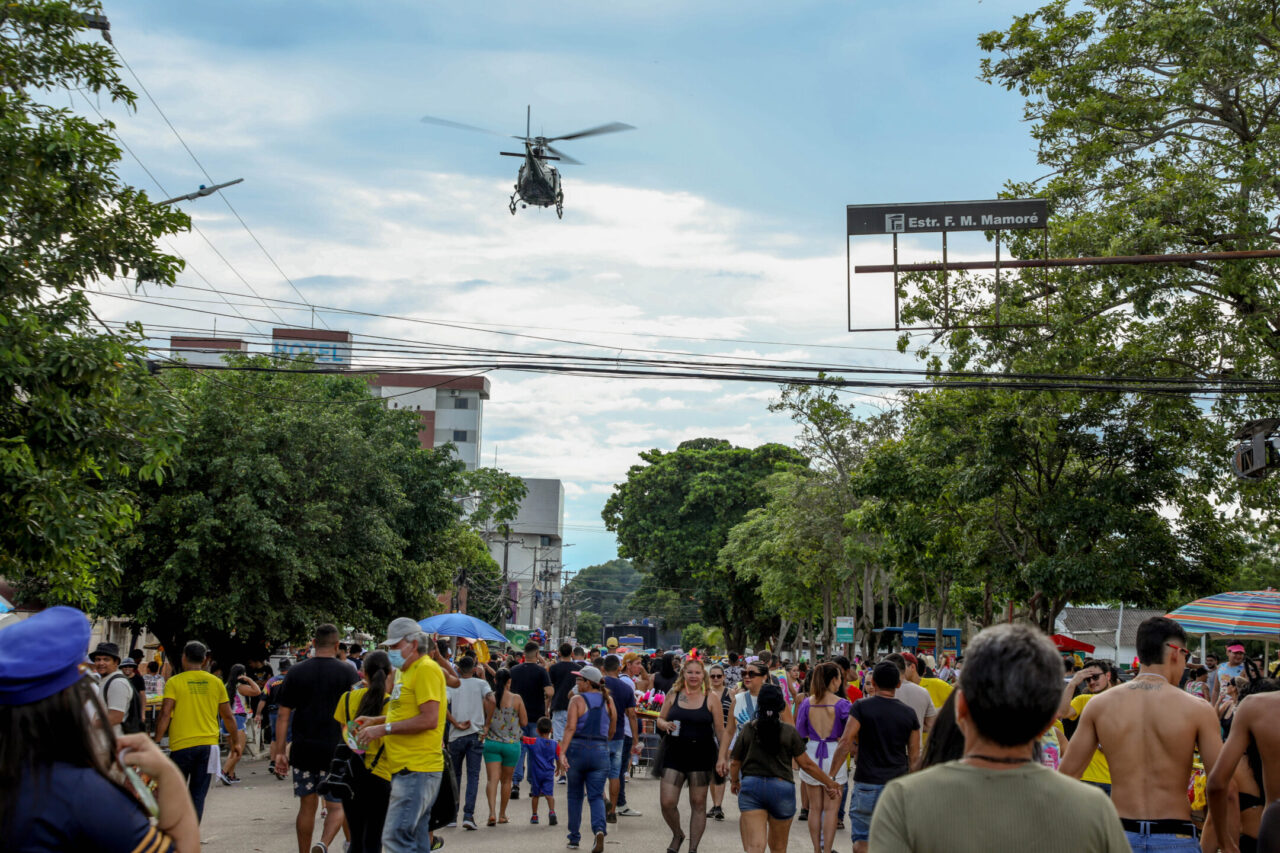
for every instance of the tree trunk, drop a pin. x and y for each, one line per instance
(784, 625)
(828, 636)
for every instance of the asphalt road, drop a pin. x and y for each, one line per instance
(258, 815)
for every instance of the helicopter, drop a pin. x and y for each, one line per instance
(538, 182)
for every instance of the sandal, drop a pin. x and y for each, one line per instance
(503, 820)
(674, 847)
(491, 822)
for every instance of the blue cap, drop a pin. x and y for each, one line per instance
(41, 655)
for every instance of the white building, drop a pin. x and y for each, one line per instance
(450, 408)
(531, 555)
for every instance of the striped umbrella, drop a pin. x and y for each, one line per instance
(1235, 614)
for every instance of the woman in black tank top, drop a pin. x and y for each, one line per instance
(689, 752)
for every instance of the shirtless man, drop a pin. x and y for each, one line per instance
(1150, 730)
(1254, 720)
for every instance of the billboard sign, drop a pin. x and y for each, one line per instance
(844, 629)
(324, 353)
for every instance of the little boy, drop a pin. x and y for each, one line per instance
(544, 754)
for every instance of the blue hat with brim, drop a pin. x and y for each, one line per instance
(41, 655)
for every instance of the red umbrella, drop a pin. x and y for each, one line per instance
(1070, 644)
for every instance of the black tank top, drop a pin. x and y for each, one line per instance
(697, 722)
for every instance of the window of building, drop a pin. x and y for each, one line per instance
(544, 541)
(459, 435)
(461, 403)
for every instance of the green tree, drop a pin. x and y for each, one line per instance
(604, 589)
(674, 513)
(81, 423)
(694, 636)
(298, 498)
(590, 628)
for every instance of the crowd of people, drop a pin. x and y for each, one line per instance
(1019, 747)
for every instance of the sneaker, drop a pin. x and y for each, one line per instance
(627, 811)
(804, 814)
(840, 823)
(611, 816)
(563, 780)
(453, 824)
(533, 819)
(572, 845)
(319, 847)
(551, 819)
(515, 792)
(469, 823)
(224, 779)
(598, 847)
(719, 813)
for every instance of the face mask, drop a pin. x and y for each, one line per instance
(397, 658)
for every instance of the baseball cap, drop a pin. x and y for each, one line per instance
(400, 628)
(909, 658)
(590, 673)
(41, 655)
(1236, 647)
(612, 642)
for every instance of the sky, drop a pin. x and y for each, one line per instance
(714, 227)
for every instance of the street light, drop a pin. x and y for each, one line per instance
(203, 191)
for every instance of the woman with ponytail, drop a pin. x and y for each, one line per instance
(366, 811)
(760, 774)
(820, 720)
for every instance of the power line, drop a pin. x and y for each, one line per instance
(208, 177)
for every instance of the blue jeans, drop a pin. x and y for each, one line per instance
(844, 798)
(1105, 787)
(588, 766)
(469, 749)
(861, 806)
(194, 764)
(617, 755)
(559, 719)
(412, 796)
(1142, 843)
(531, 730)
(626, 766)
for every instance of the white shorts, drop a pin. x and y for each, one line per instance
(842, 772)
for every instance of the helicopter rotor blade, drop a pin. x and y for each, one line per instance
(564, 158)
(444, 122)
(611, 127)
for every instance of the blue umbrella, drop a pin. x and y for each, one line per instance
(461, 625)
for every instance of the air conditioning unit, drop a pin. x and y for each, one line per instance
(453, 392)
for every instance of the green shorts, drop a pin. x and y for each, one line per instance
(507, 753)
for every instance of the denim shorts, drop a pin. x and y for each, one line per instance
(773, 795)
(861, 805)
(617, 757)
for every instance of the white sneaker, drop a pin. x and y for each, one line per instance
(319, 847)
(453, 824)
(627, 811)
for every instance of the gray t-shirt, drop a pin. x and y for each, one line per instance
(918, 699)
(116, 695)
(1028, 807)
(466, 702)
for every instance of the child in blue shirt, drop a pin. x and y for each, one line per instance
(544, 754)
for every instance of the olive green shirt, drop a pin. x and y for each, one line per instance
(957, 808)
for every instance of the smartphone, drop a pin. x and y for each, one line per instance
(140, 788)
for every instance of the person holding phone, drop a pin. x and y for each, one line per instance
(67, 782)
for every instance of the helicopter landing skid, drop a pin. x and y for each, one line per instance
(560, 205)
(512, 206)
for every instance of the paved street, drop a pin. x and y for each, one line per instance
(257, 815)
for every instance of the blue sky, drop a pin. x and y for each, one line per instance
(720, 216)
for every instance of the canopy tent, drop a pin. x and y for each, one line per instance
(1070, 644)
(461, 625)
(1244, 615)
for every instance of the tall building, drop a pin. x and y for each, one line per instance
(450, 408)
(531, 555)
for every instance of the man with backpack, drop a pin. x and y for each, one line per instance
(124, 711)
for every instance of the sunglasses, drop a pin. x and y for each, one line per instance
(1089, 678)
(713, 675)
(1186, 652)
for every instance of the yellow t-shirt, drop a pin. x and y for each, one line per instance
(422, 682)
(1098, 769)
(938, 689)
(371, 751)
(196, 695)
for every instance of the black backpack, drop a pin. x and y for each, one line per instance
(132, 722)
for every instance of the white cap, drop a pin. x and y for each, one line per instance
(399, 629)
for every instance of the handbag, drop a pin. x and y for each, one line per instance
(445, 809)
(347, 772)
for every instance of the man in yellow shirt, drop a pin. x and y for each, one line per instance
(938, 689)
(413, 734)
(1096, 677)
(193, 701)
